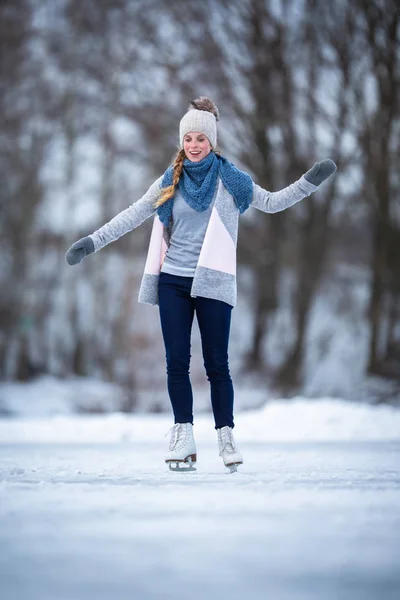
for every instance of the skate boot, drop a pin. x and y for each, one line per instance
(182, 448)
(227, 449)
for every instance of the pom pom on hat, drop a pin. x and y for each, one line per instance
(204, 103)
(202, 116)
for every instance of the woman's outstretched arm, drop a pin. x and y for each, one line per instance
(271, 202)
(125, 221)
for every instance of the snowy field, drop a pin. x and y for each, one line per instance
(89, 511)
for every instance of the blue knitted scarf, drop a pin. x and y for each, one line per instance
(198, 181)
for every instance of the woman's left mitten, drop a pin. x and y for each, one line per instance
(79, 250)
(320, 171)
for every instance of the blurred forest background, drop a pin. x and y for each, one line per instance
(91, 94)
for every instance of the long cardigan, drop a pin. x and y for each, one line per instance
(215, 275)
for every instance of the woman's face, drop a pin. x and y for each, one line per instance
(196, 146)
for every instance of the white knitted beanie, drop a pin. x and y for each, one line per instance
(199, 118)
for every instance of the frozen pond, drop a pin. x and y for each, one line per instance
(308, 520)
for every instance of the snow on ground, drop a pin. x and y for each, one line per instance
(89, 511)
(298, 419)
(47, 395)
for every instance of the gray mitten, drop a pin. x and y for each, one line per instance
(79, 250)
(320, 171)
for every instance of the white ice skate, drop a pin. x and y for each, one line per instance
(227, 449)
(182, 448)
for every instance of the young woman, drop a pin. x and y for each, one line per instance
(191, 265)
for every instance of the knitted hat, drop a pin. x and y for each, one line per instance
(202, 116)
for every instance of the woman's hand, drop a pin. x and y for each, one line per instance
(79, 250)
(320, 171)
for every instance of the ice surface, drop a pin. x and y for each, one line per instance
(88, 510)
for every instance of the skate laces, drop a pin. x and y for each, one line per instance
(178, 436)
(226, 440)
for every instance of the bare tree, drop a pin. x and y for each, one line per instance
(26, 133)
(378, 141)
(331, 29)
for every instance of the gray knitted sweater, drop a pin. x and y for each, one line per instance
(188, 229)
(215, 274)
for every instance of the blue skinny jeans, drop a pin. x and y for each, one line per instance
(177, 310)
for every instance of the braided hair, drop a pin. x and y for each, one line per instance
(168, 192)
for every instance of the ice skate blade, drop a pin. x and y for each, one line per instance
(233, 468)
(181, 466)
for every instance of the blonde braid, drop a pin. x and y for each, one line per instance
(168, 192)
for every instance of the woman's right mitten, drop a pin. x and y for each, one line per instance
(79, 250)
